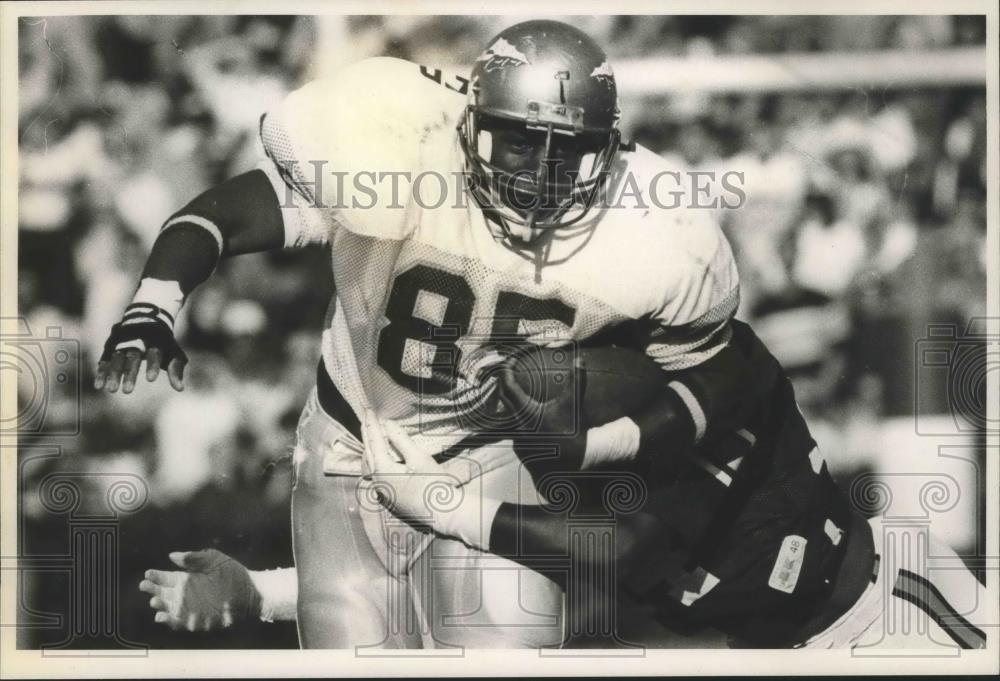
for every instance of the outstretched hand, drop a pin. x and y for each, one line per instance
(142, 336)
(211, 591)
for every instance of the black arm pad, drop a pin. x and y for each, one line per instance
(539, 537)
(246, 212)
(721, 394)
(667, 430)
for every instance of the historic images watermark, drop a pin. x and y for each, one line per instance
(87, 504)
(47, 367)
(368, 189)
(90, 506)
(959, 360)
(938, 482)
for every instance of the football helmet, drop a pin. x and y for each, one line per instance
(554, 80)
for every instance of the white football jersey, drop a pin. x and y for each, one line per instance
(424, 285)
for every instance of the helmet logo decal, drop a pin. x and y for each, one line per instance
(604, 73)
(502, 54)
(569, 89)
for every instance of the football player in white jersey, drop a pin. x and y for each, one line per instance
(463, 216)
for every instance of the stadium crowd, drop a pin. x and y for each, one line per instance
(864, 221)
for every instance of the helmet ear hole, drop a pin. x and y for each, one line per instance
(484, 143)
(587, 164)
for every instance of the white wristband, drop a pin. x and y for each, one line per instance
(279, 592)
(614, 441)
(198, 221)
(470, 521)
(166, 295)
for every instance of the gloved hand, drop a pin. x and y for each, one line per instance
(415, 487)
(144, 333)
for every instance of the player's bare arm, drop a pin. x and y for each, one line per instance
(240, 215)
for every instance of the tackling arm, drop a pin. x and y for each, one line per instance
(531, 535)
(716, 396)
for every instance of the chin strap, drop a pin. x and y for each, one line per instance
(542, 258)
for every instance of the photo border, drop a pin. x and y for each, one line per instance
(161, 663)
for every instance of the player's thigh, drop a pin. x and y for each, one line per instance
(346, 597)
(474, 599)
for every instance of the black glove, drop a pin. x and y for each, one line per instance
(145, 332)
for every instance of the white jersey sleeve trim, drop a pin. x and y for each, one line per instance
(303, 225)
(302, 220)
(198, 221)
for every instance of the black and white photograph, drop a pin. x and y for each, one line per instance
(542, 342)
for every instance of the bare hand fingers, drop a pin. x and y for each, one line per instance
(162, 577)
(151, 588)
(103, 368)
(510, 392)
(133, 359)
(152, 364)
(413, 456)
(115, 371)
(380, 460)
(175, 372)
(166, 618)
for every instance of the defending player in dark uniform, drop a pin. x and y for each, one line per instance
(743, 533)
(743, 530)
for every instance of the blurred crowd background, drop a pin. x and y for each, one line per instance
(864, 222)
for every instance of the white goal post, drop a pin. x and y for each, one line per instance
(803, 72)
